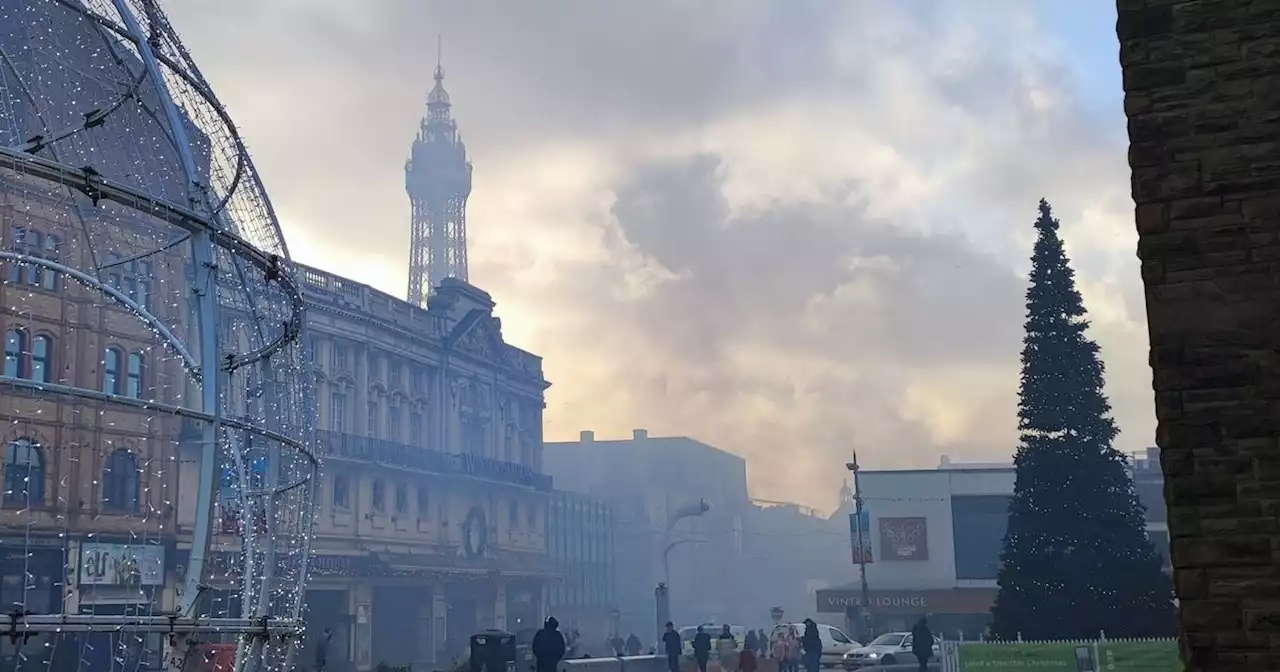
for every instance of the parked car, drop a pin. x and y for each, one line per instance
(890, 648)
(834, 642)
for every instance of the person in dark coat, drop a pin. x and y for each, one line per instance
(673, 646)
(322, 649)
(633, 645)
(922, 643)
(751, 643)
(548, 646)
(701, 649)
(811, 645)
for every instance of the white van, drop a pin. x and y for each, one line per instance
(834, 642)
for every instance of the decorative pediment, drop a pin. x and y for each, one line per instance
(479, 335)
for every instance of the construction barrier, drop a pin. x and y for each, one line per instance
(1100, 655)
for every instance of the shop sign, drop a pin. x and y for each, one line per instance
(844, 601)
(121, 565)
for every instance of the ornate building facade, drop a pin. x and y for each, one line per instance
(432, 514)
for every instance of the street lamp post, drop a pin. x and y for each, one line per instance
(663, 595)
(859, 548)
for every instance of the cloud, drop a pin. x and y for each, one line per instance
(788, 228)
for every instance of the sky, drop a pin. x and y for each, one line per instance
(791, 229)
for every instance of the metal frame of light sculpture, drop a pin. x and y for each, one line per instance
(202, 219)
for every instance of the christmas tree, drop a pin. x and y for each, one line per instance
(1076, 559)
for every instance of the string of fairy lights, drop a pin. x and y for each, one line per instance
(101, 385)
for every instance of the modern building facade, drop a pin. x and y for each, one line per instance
(580, 545)
(932, 540)
(432, 515)
(653, 486)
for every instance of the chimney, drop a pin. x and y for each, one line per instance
(586, 436)
(639, 434)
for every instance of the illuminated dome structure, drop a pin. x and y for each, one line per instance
(157, 477)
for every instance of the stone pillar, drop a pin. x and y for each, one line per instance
(440, 624)
(362, 634)
(1201, 96)
(500, 605)
(426, 630)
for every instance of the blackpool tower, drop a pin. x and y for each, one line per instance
(438, 179)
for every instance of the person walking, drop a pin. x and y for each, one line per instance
(548, 646)
(751, 643)
(811, 644)
(727, 649)
(922, 644)
(701, 648)
(793, 650)
(673, 646)
(633, 645)
(322, 649)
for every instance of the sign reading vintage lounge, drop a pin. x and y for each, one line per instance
(834, 601)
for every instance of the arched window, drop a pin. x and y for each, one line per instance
(23, 473)
(120, 482)
(111, 371)
(15, 342)
(133, 387)
(42, 359)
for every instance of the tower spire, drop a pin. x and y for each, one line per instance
(438, 181)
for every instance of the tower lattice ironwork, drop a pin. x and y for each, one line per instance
(437, 177)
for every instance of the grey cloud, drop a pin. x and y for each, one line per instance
(787, 332)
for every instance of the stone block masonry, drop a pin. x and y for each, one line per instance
(1202, 96)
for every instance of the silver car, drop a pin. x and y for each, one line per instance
(887, 649)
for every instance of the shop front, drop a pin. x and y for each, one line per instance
(118, 579)
(953, 613)
(33, 574)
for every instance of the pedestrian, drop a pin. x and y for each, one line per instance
(751, 643)
(618, 644)
(701, 648)
(322, 649)
(633, 645)
(747, 660)
(548, 646)
(763, 644)
(779, 652)
(922, 644)
(673, 647)
(811, 645)
(727, 649)
(793, 650)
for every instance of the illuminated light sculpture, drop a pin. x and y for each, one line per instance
(156, 396)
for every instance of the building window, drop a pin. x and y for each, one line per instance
(33, 244)
(513, 514)
(402, 499)
(393, 423)
(111, 371)
(424, 502)
(42, 359)
(978, 524)
(394, 375)
(371, 421)
(133, 279)
(380, 496)
(341, 491)
(415, 429)
(120, 482)
(339, 356)
(133, 384)
(23, 473)
(338, 412)
(533, 517)
(15, 342)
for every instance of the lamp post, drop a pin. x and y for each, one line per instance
(859, 548)
(662, 594)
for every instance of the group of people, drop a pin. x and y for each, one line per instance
(791, 649)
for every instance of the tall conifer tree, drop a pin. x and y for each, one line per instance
(1076, 559)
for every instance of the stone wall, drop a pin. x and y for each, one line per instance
(1202, 94)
